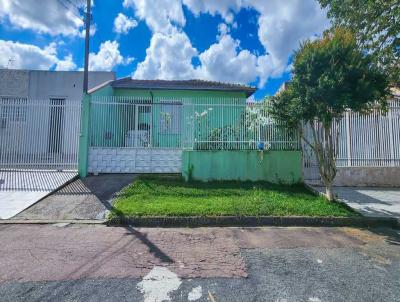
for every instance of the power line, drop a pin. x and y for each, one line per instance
(67, 8)
(74, 5)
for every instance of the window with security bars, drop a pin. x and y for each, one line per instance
(12, 110)
(170, 118)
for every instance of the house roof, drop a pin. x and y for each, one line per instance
(130, 83)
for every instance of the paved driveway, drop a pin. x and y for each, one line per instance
(21, 189)
(373, 202)
(87, 198)
(98, 263)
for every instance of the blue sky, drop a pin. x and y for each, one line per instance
(239, 41)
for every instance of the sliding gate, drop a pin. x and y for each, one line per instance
(39, 134)
(135, 135)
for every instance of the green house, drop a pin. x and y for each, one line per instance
(167, 110)
(160, 126)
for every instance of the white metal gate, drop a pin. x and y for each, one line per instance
(39, 134)
(371, 140)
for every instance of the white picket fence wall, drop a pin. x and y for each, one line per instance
(39, 134)
(371, 140)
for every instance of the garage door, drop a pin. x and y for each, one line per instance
(135, 160)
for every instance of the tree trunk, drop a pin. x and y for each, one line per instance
(325, 154)
(329, 192)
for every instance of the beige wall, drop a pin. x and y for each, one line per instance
(368, 176)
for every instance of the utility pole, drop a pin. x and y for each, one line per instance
(87, 37)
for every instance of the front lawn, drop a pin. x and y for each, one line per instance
(171, 196)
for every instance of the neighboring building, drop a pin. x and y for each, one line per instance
(283, 87)
(40, 115)
(40, 84)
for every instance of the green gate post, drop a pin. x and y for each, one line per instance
(84, 137)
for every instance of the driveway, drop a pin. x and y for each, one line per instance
(21, 189)
(373, 202)
(98, 263)
(83, 199)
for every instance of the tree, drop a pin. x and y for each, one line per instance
(330, 75)
(376, 24)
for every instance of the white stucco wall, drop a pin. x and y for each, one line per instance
(14, 82)
(40, 84)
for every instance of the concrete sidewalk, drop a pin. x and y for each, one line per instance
(21, 189)
(371, 202)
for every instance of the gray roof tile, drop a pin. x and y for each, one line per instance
(130, 83)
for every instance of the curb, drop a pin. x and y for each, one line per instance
(253, 221)
(67, 221)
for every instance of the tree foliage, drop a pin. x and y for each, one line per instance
(376, 24)
(330, 76)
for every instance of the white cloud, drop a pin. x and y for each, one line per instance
(66, 64)
(224, 61)
(282, 25)
(26, 56)
(169, 56)
(108, 57)
(122, 24)
(48, 16)
(213, 7)
(158, 14)
(223, 29)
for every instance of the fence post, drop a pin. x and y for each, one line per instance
(391, 140)
(84, 137)
(348, 138)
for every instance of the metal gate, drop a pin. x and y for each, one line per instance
(39, 134)
(371, 140)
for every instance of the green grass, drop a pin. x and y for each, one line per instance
(171, 196)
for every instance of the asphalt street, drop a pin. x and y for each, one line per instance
(98, 263)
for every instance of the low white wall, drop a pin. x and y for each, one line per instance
(134, 160)
(368, 176)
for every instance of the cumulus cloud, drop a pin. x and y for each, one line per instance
(107, 57)
(122, 24)
(169, 56)
(224, 61)
(66, 64)
(223, 29)
(221, 7)
(159, 15)
(49, 16)
(282, 25)
(26, 56)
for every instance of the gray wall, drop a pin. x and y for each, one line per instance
(38, 84)
(14, 82)
(368, 177)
